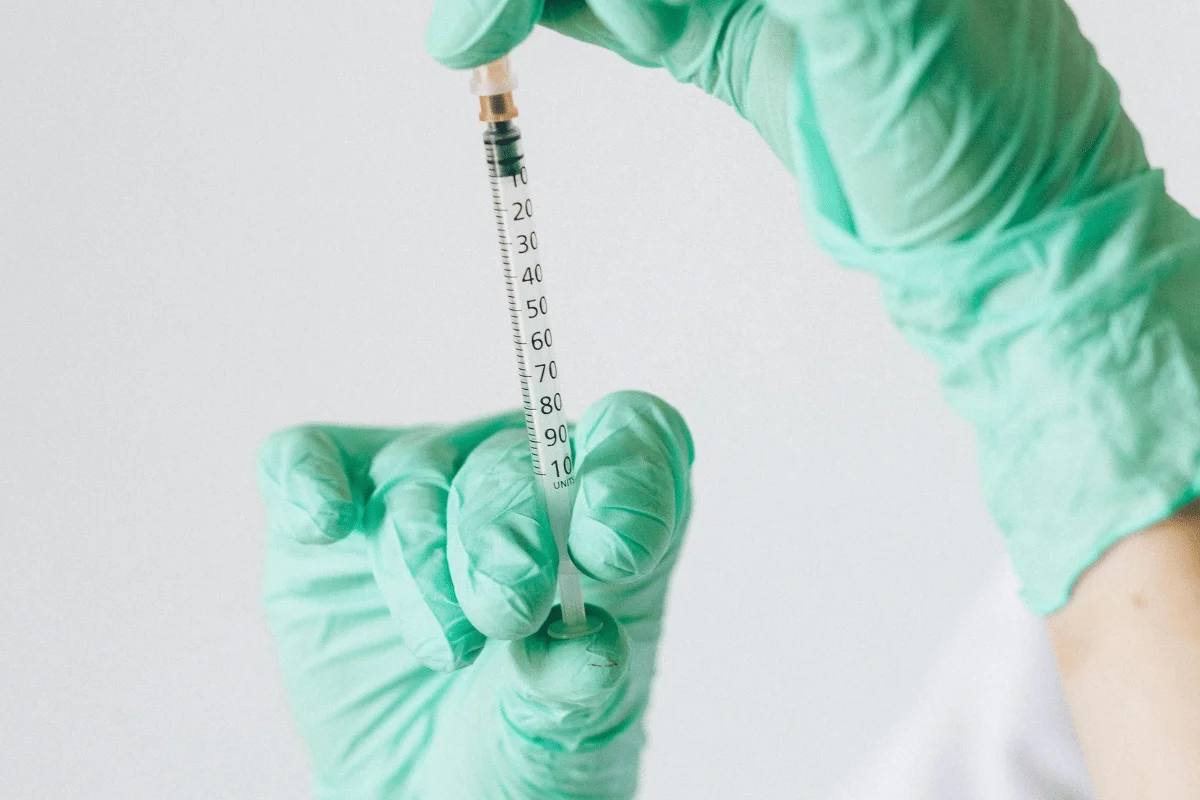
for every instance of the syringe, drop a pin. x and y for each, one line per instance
(533, 333)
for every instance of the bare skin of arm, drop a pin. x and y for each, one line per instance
(1128, 651)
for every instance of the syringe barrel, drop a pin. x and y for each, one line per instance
(532, 317)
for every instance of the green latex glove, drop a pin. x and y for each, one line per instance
(974, 155)
(399, 562)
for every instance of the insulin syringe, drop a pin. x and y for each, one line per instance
(533, 331)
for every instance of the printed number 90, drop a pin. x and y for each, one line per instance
(556, 435)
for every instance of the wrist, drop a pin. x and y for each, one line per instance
(1128, 650)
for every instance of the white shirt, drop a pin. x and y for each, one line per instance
(992, 723)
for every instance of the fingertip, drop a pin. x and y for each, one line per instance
(331, 522)
(614, 545)
(503, 560)
(458, 647)
(635, 453)
(645, 416)
(463, 34)
(508, 609)
(303, 480)
(405, 527)
(503, 573)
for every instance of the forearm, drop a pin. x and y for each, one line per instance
(1128, 651)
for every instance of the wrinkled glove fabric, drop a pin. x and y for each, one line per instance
(410, 579)
(976, 158)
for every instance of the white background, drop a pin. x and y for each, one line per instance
(221, 218)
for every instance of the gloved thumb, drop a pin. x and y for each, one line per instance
(573, 710)
(557, 676)
(554, 718)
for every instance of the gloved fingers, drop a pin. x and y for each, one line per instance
(468, 33)
(405, 526)
(314, 479)
(341, 651)
(311, 479)
(502, 555)
(635, 455)
(576, 19)
(708, 44)
(463, 34)
(647, 28)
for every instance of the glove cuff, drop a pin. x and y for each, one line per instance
(1071, 343)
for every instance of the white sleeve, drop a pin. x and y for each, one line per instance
(992, 722)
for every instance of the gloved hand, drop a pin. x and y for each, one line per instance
(408, 581)
(974, 155)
